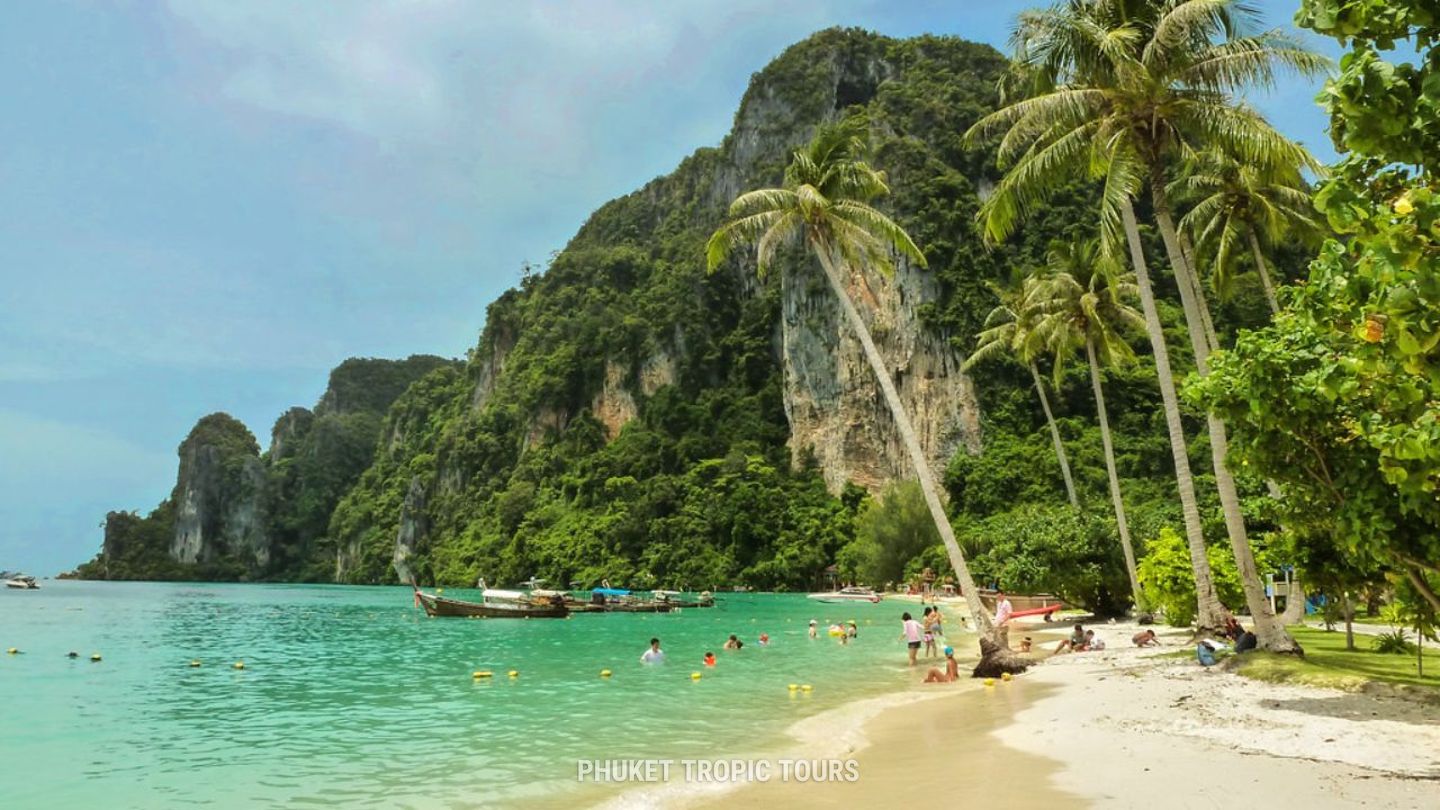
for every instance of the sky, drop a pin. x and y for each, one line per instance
(206, 205)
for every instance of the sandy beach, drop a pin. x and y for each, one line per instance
(1131, 728)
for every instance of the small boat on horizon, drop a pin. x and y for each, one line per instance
(19, 581)
(851, 594)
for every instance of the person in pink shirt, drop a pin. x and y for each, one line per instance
(911, 631)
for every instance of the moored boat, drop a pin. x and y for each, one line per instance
(852, 594)
(437, 605)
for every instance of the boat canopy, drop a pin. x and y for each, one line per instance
(611, 591)
(496, 593)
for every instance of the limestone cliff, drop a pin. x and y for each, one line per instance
(219, 497)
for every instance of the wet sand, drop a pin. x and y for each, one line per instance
(934, 751)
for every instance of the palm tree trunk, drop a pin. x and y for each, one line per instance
(978, 614)
(1055, 437)
(1210, 616)
(1264, 272)
(1270, 634)
(1188, 251)
(1120, 523)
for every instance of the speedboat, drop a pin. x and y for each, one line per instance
(847, 595)
(22, 582)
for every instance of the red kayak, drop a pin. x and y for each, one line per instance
(1040, 611)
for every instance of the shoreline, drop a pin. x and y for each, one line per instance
(1122, 727)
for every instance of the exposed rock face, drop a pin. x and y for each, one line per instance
(413, 528)
(219, 497)
(613, 405)
(834, 405)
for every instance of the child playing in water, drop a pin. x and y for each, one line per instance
(709, 659)
(814, 629)
(952, 669)
(927, 626)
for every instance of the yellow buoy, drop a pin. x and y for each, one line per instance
(12, 651)
(195, 663)
(484, 673)
(989, 681)
(604, 673)
(806, 688)
(238, 665)
(694, 676)
(1005, 676)
(514, 673)
(794, 686)
(95, 657)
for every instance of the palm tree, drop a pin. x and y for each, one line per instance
(824, 205)
(1008, 331)
(1117, 89)
(1242, 202)
(1082, 302)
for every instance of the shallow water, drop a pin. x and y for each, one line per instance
(351, 697)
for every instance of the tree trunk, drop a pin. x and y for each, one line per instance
(1264, 272)
(1269, 633)
(1210, 616)
(1120, 522)
(978, 614)
(1187, 250)
(1294, 604)
(1349, 611)
(1055, 437)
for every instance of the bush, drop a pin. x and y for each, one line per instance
(1393, 643)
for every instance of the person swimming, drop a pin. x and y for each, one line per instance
(814, 629)
(764, 640)
(733, 643)
(709, 659)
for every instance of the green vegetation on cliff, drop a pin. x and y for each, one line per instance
(624, 414)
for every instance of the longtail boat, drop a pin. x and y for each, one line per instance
(436, 605)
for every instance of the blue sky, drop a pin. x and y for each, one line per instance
(207, 205)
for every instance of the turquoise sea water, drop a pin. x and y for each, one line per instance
(350, 697)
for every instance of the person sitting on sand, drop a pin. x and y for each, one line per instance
(1246, 642)
(733, 643)
(1025, 644)
(1075, 643)
(709, 659)
(814, 629)
(1092, 642)
(952, 669)
(654, 655)
(911, 631)
(1145, 638)
(1233, 630)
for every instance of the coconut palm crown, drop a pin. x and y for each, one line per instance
(824, 201)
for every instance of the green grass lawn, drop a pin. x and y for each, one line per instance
(1328, 663)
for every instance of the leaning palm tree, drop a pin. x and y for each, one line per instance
(824, 205)
(1117, 89)
(1008, 331)
(1237, 202)
(1081, 302)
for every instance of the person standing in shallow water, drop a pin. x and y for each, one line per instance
(654, 655)
(911, 631)
(927, 627)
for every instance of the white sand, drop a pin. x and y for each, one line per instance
(1134, 730)
(1124, 728)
